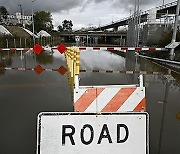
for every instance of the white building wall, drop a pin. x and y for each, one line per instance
(16, 19)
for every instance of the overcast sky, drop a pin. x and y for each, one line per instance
(83, 13)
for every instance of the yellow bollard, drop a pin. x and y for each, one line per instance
(72, 56)
(77, 66)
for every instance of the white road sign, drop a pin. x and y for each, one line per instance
(77, 38)
(79, 133)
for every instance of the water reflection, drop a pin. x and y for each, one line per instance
(45, 58)
(23, 94)
(131, 65)
(163, 94)
(101, 60)
(21, 58)
(168, 79)
(5, 61)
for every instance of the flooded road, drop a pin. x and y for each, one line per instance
(24, 94)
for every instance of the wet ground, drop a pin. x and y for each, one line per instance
(24, 94)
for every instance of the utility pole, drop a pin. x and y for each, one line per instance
(163, 2)
(138, 25)
(24, 22)
(175, 29)
(33, 21)
(135, 21)
(21, 19)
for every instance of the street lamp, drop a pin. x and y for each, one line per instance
(21, 20)
(33, 21)
(24, 22)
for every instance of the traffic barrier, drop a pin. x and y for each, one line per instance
(122, 72)
(109, 99)
(92, 48)
(62, 70)
(96, 99)
(122, 48)
(15, 49)
(38, 69)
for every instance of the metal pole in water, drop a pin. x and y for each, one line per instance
(7, 43)
(141, 82)
(76, 81)
(163, 115)
(135, 20)
(175, 29)
(87, 41)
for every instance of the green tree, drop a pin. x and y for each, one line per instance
(60, 28)
(42, 21)
(67, 25)
(3, 13)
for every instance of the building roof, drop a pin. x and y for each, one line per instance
(43, 33)
(30, 33)
(4, 31)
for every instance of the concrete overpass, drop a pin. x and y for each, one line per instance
(94, 38)
(161, 11)
(92, 33)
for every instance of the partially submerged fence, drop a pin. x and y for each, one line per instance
(18, 42)
(95, 98)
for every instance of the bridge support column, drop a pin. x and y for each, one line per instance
(131, 33)
(87, 40)
(121, 41)
(96, 41)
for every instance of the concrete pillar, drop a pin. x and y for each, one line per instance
(131, 33)
(87, 41)
(121, 41)
(96, 40)
(152, 16)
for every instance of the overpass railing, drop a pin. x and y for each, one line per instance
(171, 4)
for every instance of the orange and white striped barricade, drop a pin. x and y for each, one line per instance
(120, 98)
(109, 99)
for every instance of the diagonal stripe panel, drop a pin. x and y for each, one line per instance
(141, 106)
(78, 93)
(132, 102)
(86, 99)
(102, 100)
(118, 100)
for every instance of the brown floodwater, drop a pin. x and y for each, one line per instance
(24, 94)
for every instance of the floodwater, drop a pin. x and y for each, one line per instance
(24, 94)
